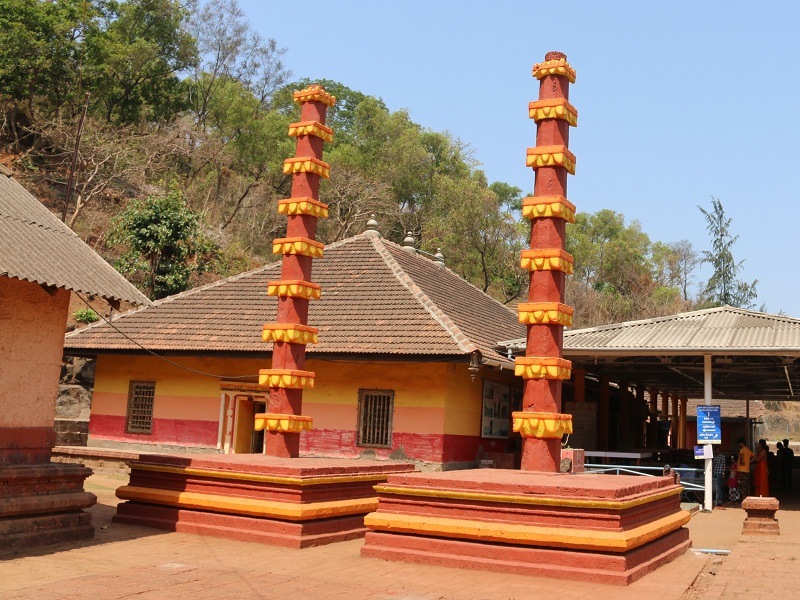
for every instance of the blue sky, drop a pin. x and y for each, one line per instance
(677, 102)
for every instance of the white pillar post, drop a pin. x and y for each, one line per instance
(709, 481)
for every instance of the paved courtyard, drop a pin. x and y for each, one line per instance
(125, 561)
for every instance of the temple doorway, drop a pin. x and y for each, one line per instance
(239, 404)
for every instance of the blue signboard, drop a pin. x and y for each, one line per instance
(709, 424)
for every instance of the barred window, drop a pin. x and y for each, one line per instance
(375, 410)
(140, 407)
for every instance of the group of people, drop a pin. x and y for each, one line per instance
(750, 470)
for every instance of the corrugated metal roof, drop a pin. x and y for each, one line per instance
(35, 246)
(756, 355)
(716, 330)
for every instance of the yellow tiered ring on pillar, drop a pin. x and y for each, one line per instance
(306, 164)
(283, 423)
(553, 108)
(548, 156)
(545, 313)
(314, 93)
(314, 128)
(293, 379)
(546, 259)
(298, 245)
(294, 288)
(292, 333)
(542, 367)
(541, 425)
(559, 66)
(554, 207)
(303, 206)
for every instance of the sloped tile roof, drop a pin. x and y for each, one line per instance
(35, 246)
(376, 299)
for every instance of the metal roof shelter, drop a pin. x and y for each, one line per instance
(35, 246)
(747, 354)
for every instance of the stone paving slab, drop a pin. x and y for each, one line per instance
(125, 561)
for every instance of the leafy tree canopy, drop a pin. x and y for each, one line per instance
(724, 287)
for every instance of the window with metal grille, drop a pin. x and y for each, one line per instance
(140, 407)
(375, 410)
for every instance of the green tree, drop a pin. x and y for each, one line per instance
(163, 243)
(134, 60)
(481, 241)
(509, 196)
(40, 56)
(674, 265)
(724, 287)
(610, 254)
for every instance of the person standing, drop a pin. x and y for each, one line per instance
(785, 466)
(733, 482)
(743, 468)
(761, 470)
(718, 473)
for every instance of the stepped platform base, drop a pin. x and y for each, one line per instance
(297, 502)
(43, 504)
(606, 528)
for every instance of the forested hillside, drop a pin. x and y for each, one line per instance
(183, 111)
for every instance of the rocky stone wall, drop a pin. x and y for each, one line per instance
(74, 402)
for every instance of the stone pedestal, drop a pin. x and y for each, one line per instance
(590, 527)
(43, 504)
(760, 518)
(293, 502)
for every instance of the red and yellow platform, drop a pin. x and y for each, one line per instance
(591, 527)
(294, 502)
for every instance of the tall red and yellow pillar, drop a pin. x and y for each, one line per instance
(290, 333)
(543, 367)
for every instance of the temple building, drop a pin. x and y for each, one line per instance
(407, 350)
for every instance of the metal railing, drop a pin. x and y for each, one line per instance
(692, 480)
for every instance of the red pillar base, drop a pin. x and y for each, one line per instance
(43, 504)
(589, 527)
(292, 502)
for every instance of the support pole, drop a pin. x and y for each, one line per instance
(708, 479)
(652, 430)
(603, 413)
(674, 431)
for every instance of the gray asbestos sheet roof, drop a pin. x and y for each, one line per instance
(35, 246)
(723, 330)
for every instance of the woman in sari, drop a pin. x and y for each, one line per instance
(761, 472)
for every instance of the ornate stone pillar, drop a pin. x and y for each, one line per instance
(543, 367)
(287, 378)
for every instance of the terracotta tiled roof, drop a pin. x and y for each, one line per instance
(376, 299)
(35, 246)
